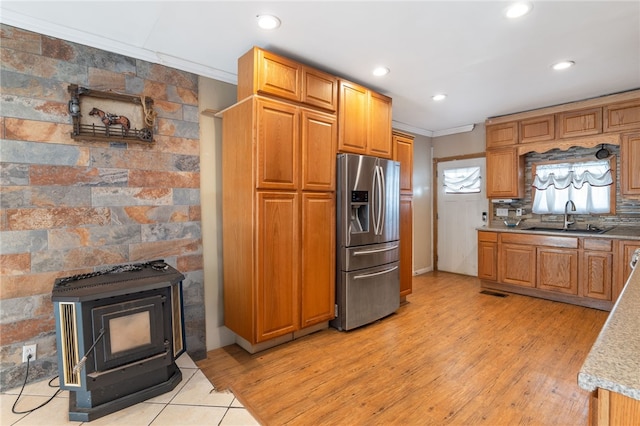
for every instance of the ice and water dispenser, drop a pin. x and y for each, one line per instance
(359, 211)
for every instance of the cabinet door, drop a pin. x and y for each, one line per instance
(622, 116)
(277, 145)
(623, 269)
(352, 118)
(630, 165)
(580, 123)
(319, 89)
(505, 176)
(406, 245)
(278, 76)
(318, 258)
(557, 270)
(596, 270)
(403, 153)
(500, 135)
(278, 257)
(517, 264)
(319, 144)
(487, 260)
(379, 137)
(537, 129)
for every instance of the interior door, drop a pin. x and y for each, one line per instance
(459, 214)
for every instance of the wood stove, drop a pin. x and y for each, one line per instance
(119, 333)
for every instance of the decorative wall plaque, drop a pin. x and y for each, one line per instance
(107, 116)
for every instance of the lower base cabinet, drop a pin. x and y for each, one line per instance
(578, 270)
(607, 408)
(557, 270)
(406, 244)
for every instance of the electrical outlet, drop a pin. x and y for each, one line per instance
(519, 212)
(29, 350)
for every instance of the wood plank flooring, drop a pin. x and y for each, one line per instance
(451, 355)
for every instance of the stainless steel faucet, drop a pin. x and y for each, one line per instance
(566, 214)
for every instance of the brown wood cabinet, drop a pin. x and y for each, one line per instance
(406, 245)
(557, 270)
(276, 283)
(318, 257)
(517, 264)
(403, 153)
(505, 173)
(364, 121)
(278, 218)
(580, 123)
(630, 165)
(501, 135)
(488, 255)
(622, 116)
(624, 252)
(578, 270)
(266, 73)
(537, 129)
(608, 408)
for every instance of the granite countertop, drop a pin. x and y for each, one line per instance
(617, 232)
(614, 360)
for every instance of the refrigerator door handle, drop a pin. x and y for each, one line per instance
(360, 253)
(383, 200)
(375, 200)
(365, 276)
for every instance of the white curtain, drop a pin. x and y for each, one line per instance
(462, 180)
(586, 184)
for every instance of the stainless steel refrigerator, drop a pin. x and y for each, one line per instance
(368, 215)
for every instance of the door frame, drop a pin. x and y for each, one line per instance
(434, 223)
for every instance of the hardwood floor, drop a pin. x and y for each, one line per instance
(451, 355)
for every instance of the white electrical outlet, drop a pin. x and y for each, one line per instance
(519, 212)
(29, 350)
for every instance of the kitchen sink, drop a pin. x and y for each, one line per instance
(593, 230)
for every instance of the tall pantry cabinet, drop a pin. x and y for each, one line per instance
(278, 172)
(403, 153)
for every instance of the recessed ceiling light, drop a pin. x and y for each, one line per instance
(517, 10)
(380, 71)
(563, 65)
(268, 22)
(439, 97)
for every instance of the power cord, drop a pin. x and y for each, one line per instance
(13, 409)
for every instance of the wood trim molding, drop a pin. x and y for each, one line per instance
(587, 103)
(564, 145)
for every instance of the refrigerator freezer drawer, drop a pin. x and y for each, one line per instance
(361, 257)
(367, 295)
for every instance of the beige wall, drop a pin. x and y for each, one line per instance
(460, 143)
(214, 96)
(422, 221)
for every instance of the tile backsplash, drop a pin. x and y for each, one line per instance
(627, 209)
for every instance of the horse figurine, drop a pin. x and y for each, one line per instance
(109, 119)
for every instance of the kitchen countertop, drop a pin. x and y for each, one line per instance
(617, 232)
(614, 360)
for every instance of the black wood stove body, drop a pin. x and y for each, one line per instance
(118, 333)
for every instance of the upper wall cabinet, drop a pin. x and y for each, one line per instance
(622, 116)
(500, 135)
(537, 129)
(364, 121)
(584, 122)
(264, 72)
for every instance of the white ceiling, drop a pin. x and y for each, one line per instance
(486, 64)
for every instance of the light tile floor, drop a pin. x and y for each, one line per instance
(193, 402)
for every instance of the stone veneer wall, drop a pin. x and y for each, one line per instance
(72, 207)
